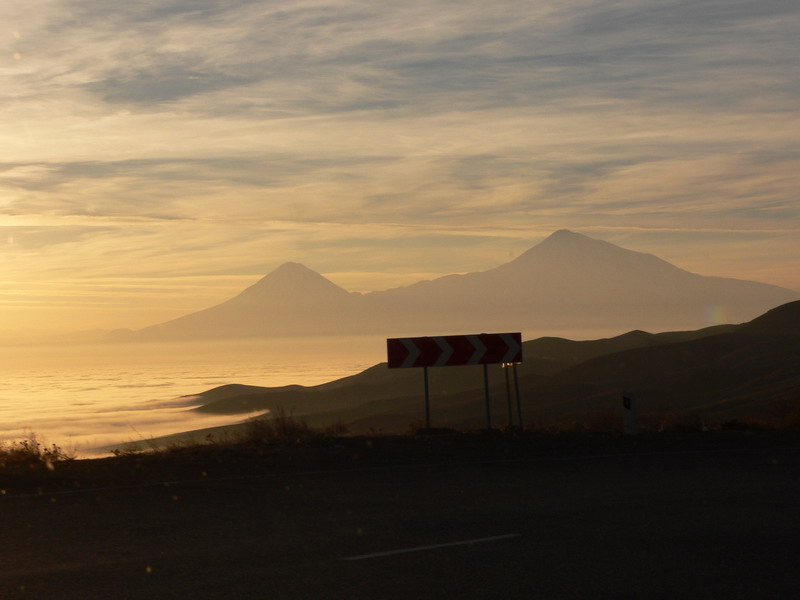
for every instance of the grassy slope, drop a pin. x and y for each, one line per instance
(726, 372)
(544, 357)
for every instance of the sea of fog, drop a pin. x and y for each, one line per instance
(82, 397)
(87, 396)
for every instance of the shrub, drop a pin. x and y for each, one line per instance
(737, 425)
(30, 451)
(601, 419)
(278, 426)
(337, 429)
(674, 421)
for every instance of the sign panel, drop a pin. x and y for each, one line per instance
(453, 350)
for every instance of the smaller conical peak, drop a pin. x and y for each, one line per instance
(565, 236)
(293, 273)
(293, 279)
(292, 269)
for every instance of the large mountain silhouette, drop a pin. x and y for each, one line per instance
(568, 281)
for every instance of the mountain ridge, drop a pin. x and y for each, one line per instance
(681, 379)
(568, 280)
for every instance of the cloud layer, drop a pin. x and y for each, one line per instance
(180, 138)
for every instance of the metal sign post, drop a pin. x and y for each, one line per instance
(486, 394)
(508, 396)
(427, 401)
(519, 405)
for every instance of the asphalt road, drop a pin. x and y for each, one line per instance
(708, 524)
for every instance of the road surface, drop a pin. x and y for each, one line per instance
(698, 524)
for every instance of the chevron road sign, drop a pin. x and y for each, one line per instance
(452, 350)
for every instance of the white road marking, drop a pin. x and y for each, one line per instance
(420, 548)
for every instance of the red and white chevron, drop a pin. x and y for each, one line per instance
(452, 350)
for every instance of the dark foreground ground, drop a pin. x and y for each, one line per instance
(691, 516)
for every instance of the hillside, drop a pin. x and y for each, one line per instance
(746, 371)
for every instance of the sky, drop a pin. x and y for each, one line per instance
(158, 156)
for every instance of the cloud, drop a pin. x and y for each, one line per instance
(176, 137)
(37, 238)
(257, 58)
(163, 83)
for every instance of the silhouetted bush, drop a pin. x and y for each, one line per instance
(737, 425)
(279, 426)
(30, 451)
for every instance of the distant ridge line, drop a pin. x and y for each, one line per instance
(568, 281)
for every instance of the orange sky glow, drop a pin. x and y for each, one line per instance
(157, 158)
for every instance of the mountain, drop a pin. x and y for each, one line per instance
(569, 281)
(291, 284)
(749, 371)
(543, 358)
(572, 281)
(711, 375)
(781, 321)
(288, 301)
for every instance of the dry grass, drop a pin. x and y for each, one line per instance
(674, 421)
(282, 427)
(31, 451)
(276, 427)
(605, 420)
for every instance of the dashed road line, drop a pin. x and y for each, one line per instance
(434, 546)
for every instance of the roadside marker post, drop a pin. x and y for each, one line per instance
(629, 412)
(455, 350)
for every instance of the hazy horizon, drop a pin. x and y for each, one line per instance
(588, 327)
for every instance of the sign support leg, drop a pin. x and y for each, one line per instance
(519, 405)
(508, 398)
(427, 401)
(486, 391)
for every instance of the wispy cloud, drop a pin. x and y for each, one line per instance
(155, 138)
